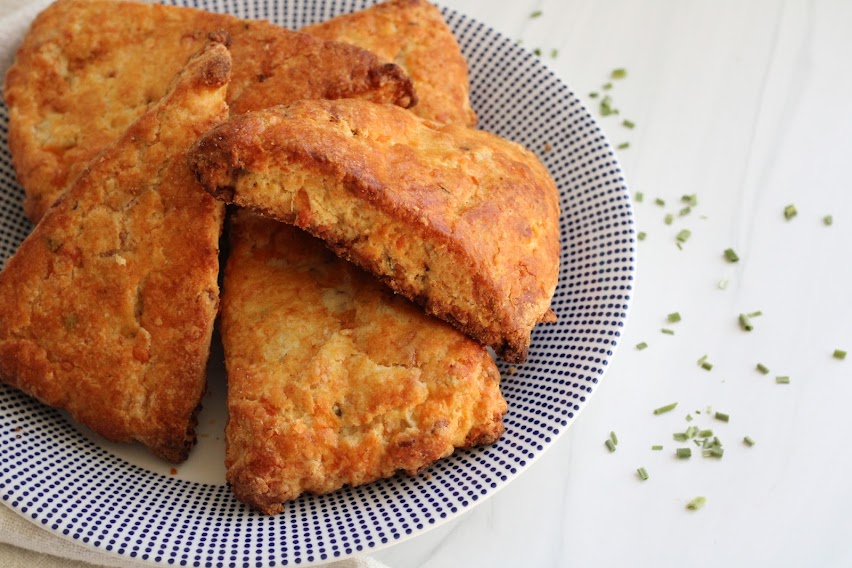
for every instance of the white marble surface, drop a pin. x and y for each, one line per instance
(748, 105)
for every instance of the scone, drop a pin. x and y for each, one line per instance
(332, 379)
(458, 220)
(414, 35)
(107, 308)
(88, 68)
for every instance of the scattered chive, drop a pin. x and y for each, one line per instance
(673, 317)
(536, 14)
(593, 95)
(731, 256)
(721, 416)
(656, 448)
(705, 433)
(641, 346)
(614, 438)
(839, 354)
(665, 408)
(696, 503)
(619, 73)
(537, 51)
(707, 366)
(683, 453)
(782, 380)
(758, 313)
(722, 284)
(623, 146)
(701, 360)
(683, 236)
(684, 212)
(691, 200)
(606, 106)
(790, 212)
(680, 437)
(763, 368)
(716, 442)
(609, 445)
(668, 219)
(628, 123)
(639, 197)
(554, 53)
(641, 236)
(748, 441)
(689, 417)
(715, 452)
(745, 323)
(667, 331)
(606, 86)
(827, 220)
(643, 475)
(660, 202)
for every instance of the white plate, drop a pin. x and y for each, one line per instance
(118, 499)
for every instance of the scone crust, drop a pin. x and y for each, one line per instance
(88, 68)
(332, 379)
(107, 308)
(414, 35)
(456, 219)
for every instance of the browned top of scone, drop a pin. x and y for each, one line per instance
(460, 220)
(88, 68)
(333, 380)
(107, 308)
(414, 35)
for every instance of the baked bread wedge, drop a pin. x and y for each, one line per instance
(107, 308)
(88, 68)
(458, 220)
(414, 35)
(332, 379)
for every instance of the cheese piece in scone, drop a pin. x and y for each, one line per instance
(414, 35)
(107, 308)
(332, 379)
(459, 220)
(88, 68)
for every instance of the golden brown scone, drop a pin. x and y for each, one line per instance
(332, 379)
(414, 35)
(456, 219)
(107, 308)
(88, 68)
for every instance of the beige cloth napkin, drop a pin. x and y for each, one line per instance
(22, 543)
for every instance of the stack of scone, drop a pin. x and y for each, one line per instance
(379, 243)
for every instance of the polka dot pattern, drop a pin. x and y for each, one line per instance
(64, 481)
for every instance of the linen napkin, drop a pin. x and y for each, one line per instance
(22, 543)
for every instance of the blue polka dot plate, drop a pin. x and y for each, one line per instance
(119, 500)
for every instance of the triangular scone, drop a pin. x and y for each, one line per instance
(88, 68)
(332, 379)
(107, 308)
(456, 219)
(414, 35)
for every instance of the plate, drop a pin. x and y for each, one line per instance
(119, 500)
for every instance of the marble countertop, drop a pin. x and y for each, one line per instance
(748, 105)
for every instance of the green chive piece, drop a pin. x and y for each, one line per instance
(656, 448)
(668, 219)
(554, 53)
(763, 368)
(721, 416)
(731, 256)
(790, 212)
(707, 443)
(667, 331)
(660, 202)
(689, 417)
(680, 437)
(705, 433)
(665, 408)
(537, 51)
(782, 380)
(628, 123)
(758, 313)
(684, 212)
(606, 106)
(619, 73)
(536, 14)
(745, 323)
(623, 146)
(683, 453)
(614, 438)
(691, 200)
(713, 452)
(673, 317)
(609, 445)
(642, 235)
(709, 409)
(722, 284)
(702, 359)
(828, 220)
(643, 475)
(839, 354)
(691, 432)
(593, 95)
(707, 366)
(748, 441)
(683, 236)
(716, 442)
(639, 197)
(641, 346)
(606, 86)
(696, 503)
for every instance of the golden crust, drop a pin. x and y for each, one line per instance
(107, 308)
(414, 35)
(88, 68)
(332, 379)
(456, 219)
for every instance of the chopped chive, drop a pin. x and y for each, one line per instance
(828, 220)
(643, 475)
(691, 431)
(606, 86)
(614, 438)
(593, 95)
(660, 202)
(691, 200)
(716, 442)
(665, 408)
(697, 442)
(537, 51)
(683, 236)
(619, 73)
(628, 123)
(722, 284)
(731, 256)
(639, 197)
(554, 53)
(721, 416)
(667, 331)
(683, 453)
(609, 445)
(839, 354)
(763, 368)
(684, 212)
(696, 503)
(782, 380)
(709, 409)
(680, 437)
(641, 235)
(748, 441)
(790, 212)
(536, 14)
(623, 146)
(707, 443)
(656, 448)
(641, 346)
(745, 323)
(668, 219)
(707, 366)
(689, 417)
(606, 106)
(714, 452)
(758, 313)
(702, 359)
(705, 433)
